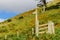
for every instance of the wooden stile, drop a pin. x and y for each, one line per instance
(46, 28)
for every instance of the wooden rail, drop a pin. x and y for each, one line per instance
(43, 28)
(42, 32)
(43, 25)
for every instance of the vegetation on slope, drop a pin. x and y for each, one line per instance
(24, 22)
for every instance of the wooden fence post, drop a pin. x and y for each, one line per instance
(32, 31)
(51, 27)
(53, 30)
(5, 37)
(43, 9)
(17, 34)
(37, 28)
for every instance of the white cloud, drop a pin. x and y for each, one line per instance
(1, 20)
(17, 5)
(49, 0)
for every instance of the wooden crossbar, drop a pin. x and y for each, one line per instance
(43, 28)
(42, 32)
(43, 25)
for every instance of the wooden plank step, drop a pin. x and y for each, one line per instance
(42, 32)
(43, 25)
(43, 28)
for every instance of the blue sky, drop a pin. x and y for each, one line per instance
(7, 14)
(10, 8)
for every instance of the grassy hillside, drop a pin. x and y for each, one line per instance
(24, 22)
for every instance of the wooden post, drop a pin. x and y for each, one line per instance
(53, 30)
(36, 22)
(37, 29)
(17, 34)
(5, 37)
(51, 27)
(32, 31)
(43, 9)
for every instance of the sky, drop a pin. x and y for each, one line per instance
(10, 8)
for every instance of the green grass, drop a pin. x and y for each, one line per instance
(24, 22)
(55, 36)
